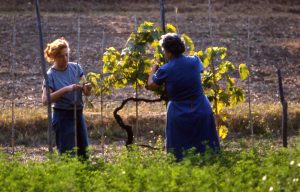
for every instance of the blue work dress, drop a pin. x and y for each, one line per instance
(190, 120)
(63, 121)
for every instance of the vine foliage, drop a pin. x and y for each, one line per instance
(131, 66)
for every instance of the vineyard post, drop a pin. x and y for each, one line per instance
(75, 92)
(135, 23)
(249, 79)
(101, 95)
(212, 62)
(13, 76)
(284, 108)
(162, 15)
(136, 90)
(209, 21)
(176, 19)
(43, 63)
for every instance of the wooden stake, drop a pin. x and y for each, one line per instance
(13, 76)
(162, 15)
(43, 63)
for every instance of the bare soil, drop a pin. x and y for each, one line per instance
(274, 39)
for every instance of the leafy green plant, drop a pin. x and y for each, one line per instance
(219, 85)
(258, 169)
(131, 67)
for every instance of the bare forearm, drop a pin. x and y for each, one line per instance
(150, 78)
(54, 96)
(151, 85)
(58, 94)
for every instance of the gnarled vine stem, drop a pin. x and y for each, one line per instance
(128, 128)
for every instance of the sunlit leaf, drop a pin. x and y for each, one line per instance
(155, 44)
(188, 42)
(219, 106)
(170, 28)
(223, 131)
(223, 53)
(230, 80)
(218, 76)
(200, 54)
(206, 62)
(145, 27)
(244, 72)
(237, 95)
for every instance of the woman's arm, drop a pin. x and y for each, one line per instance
(54, 96)
(151, 84)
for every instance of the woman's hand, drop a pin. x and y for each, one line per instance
(87, 88)
(154, 68)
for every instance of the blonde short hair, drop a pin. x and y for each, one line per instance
(54, 48)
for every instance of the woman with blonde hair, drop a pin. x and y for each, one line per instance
(64, 77)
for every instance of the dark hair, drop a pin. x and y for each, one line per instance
(172, 43)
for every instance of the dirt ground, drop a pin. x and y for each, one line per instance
(108, 151)
(274, 28)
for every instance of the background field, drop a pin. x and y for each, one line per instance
(274, 38)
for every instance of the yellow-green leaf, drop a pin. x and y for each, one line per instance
(244, 72)
(200, 53)
(170, 28)
(206, 62)
(188, 42)
(155, 44)
(223, 131)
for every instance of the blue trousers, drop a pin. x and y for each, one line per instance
(64, 127)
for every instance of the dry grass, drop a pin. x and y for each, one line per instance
(266, 118)
(31, 123)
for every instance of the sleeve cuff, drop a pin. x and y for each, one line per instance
(156, 81)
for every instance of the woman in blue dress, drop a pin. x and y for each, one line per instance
(190, 120)
(63, 78)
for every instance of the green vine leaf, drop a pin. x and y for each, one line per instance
(188, 42)
(244, 72)
(170, 28)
